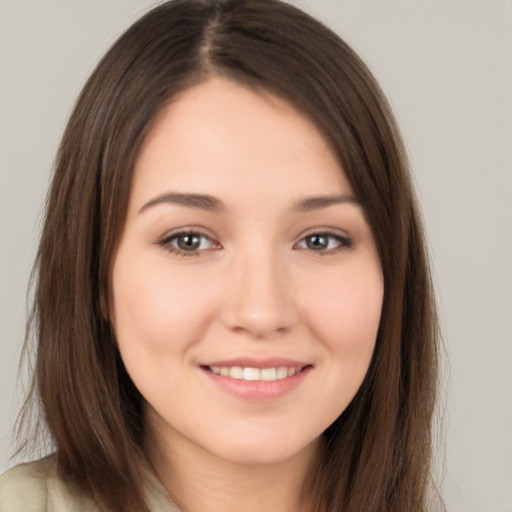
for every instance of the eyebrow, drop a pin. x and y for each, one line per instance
(319, 202)
(201, 201)
(212, 204)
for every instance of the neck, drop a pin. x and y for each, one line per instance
(198, 480)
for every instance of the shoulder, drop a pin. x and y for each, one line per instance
(36, 487)
(24, 487)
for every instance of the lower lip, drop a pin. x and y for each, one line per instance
(258, 390)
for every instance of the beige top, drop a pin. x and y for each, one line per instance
(35, 487)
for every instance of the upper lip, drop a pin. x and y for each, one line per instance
(249, 362)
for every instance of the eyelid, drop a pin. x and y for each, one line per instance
(345, 240)
(166, 240)
(325, 230)
(187, 229)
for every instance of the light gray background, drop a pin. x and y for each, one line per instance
(446, 66)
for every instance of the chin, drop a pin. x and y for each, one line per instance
(263, 452)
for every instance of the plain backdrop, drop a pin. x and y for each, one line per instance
(446, 66)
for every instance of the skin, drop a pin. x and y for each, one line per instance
(256, 286)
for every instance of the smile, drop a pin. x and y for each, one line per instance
(256, 380)
(254, 374)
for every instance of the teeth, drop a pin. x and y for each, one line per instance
(282, 372)
(235, 372)
(268, 374)
(252, 374)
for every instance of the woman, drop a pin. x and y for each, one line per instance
(233, 303)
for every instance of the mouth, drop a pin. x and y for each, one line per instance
(249, 373)
(255, 380)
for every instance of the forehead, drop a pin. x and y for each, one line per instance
(219, 137)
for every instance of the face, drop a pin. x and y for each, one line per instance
(247, 287)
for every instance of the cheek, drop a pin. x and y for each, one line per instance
(341, 309)
(344, 314)
(346, 308)
(155, 309)
(156, 322)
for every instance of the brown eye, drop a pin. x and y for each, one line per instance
(317, 242)
(324, 243)
(188, 242)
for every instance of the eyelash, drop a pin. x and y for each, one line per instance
(342, 243)
(167, 243)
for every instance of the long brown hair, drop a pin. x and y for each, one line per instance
(377, 454)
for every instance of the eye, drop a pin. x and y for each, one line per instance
(188, 243)
(324, 243)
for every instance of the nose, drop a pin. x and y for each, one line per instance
(260, 301)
